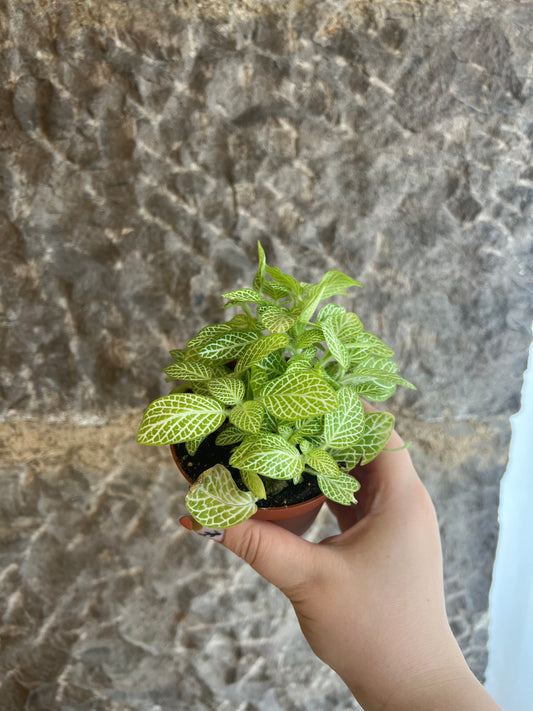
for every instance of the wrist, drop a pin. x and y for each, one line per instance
(448, 685)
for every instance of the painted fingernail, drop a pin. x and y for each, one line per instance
(186, 522)
(200, 530)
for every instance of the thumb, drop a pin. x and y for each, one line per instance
(281, 557)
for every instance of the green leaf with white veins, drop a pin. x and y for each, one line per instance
(199, 387)
(228, 390)
(260, 275)
(348, 327)
(378, 363)
(189, 370)
(259, 349)
(375, 391)
(248, 416)
(345, 426)
(309, 337)
(340, 488)
(215, 500)
(332, 283)
(242, 322)
(206, 334)
(269, 455)
(328, 310)
(337, 349)
(335, 283)
(273, 364)
(376, 345)
(311, 301)
(254, 483)
(192, 447)
(298, 365)
(378, 429)
(297, 396)
(229, 435)
(346, 458)
(257, 378)
(277, 319)
(243, 296)
(275, 291)
(179, 417)
(228, 346)
(178, 355)
(313, 426)
(322, 462)
(284, 280)
(360, 375)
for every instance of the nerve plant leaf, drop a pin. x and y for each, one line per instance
(229, 435)
(269, 455)
(228, 346)
(274, 364)
(206, 334)
(347, 326)
(242, 322)
(328, 310)
(189, 370)
(253, 483)
(277, 319)
(244, 296)
(215, 501)
(310, 427)
(192, 446)
(378, 429)
(259, 349)
(335, 283)
(310, 338)
(332, 283)
(257, 378)
(228, 390)
(248, 416)
(286, 281)
(297, 396)
(345, 426)
(340, 488)
(260, 275)
(361, 375)
(274, 290)
(323, 462)
(375, 344)
(179, 417)
(337, 349)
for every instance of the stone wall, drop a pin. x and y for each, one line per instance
(145, 148)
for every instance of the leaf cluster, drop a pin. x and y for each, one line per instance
(281, 382)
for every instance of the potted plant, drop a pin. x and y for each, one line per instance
(267, 418)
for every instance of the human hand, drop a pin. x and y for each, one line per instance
(370, 600)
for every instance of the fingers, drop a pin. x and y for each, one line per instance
(283, 558)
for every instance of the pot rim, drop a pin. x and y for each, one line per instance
(278, 511)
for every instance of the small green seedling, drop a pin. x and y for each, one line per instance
(284, 387)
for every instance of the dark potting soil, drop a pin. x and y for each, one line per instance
(209, 454)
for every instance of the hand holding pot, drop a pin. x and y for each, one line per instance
(370, 600)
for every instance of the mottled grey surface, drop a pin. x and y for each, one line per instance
(144, 149)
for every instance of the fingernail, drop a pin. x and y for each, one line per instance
(200, 530)
(186, 522)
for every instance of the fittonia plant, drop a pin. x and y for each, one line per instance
(282, 382)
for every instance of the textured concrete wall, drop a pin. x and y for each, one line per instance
(145, 147)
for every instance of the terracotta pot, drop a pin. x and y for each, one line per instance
(296, 518)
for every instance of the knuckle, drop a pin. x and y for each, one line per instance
(250, 546)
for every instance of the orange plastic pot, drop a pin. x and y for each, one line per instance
(296, 518)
